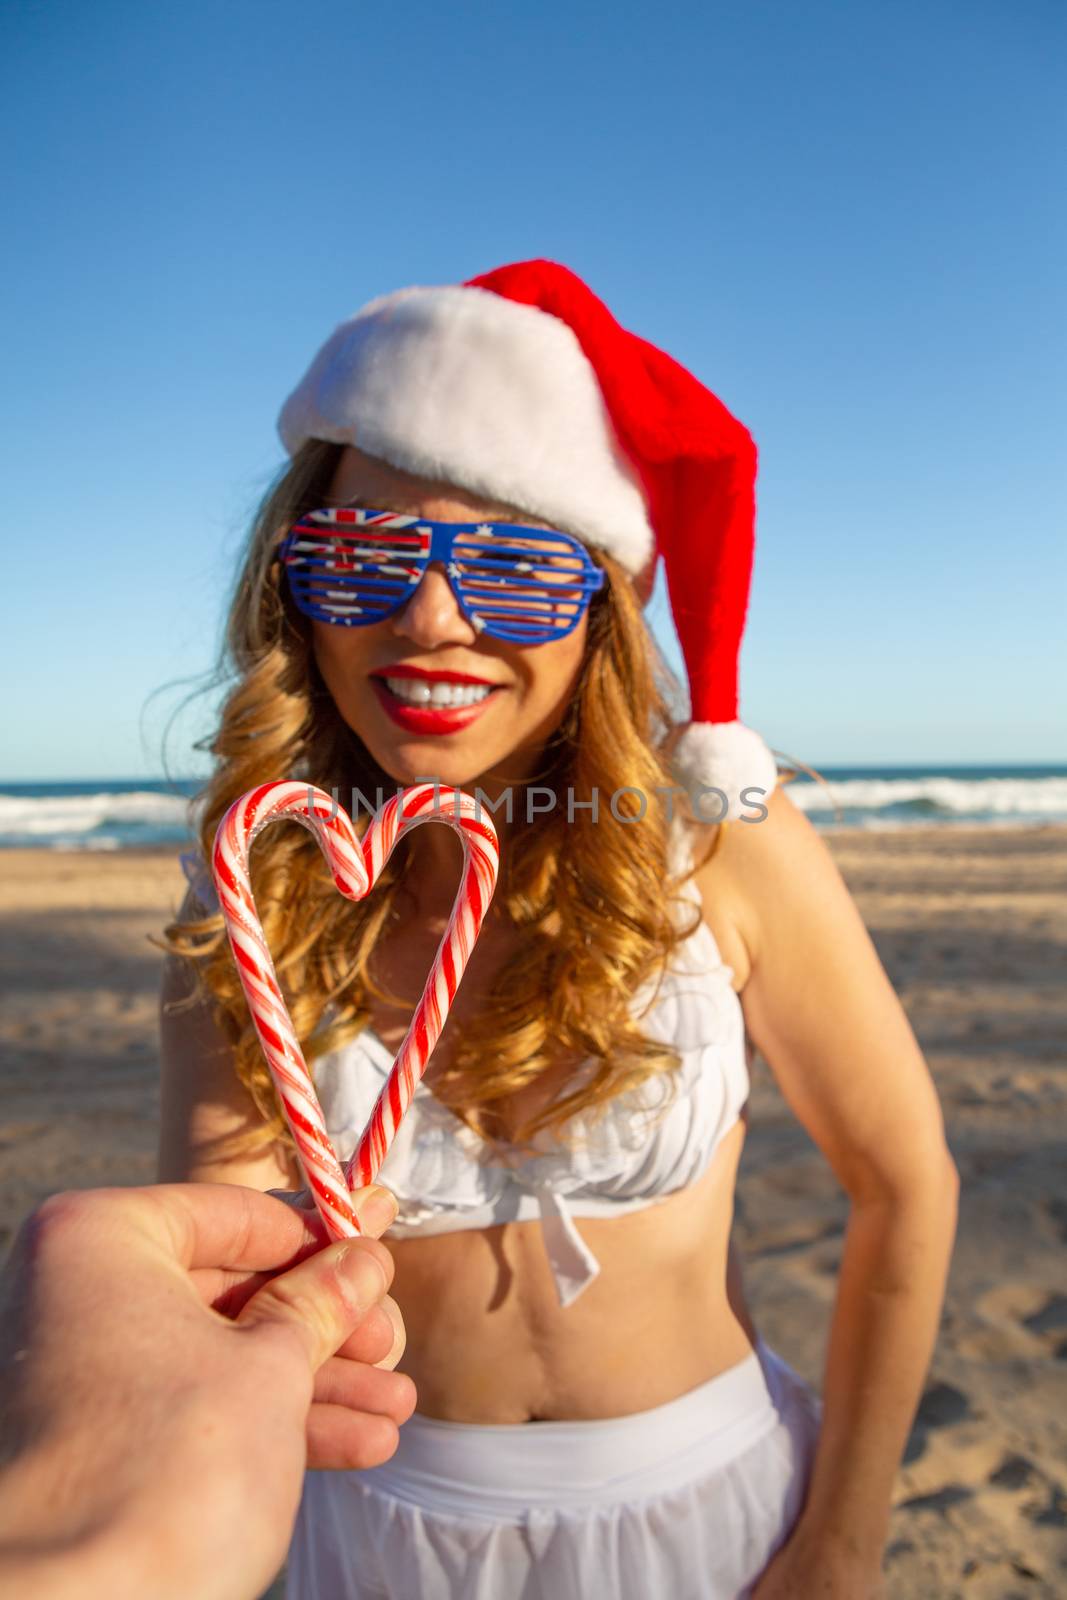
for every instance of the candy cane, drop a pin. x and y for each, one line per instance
(355, 865)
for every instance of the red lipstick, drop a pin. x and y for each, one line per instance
(428, 676)
(431, 719)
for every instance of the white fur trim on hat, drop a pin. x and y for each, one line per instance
(460, 384)
(729, 758)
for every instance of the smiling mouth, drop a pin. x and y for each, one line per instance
(439, 695)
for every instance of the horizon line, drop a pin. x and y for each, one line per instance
(928, 766)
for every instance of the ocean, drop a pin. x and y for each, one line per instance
(95, 815)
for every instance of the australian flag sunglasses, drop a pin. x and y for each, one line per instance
(351, 566)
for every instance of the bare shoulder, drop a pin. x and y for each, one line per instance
(757, 869)
(819, 1005)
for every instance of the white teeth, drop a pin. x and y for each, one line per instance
(415, 693)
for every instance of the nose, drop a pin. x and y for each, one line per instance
(432, 615)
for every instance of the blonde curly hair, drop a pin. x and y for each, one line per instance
(593, 900)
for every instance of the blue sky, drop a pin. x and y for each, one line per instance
(846, 218)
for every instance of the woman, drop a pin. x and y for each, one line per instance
(447, 582)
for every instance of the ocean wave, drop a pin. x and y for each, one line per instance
(88, 818)
(882, 801)
(98, 821)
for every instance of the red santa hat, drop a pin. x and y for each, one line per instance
(521, 386)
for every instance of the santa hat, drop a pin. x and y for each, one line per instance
(520, 386)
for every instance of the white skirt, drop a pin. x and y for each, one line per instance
(687, 1501)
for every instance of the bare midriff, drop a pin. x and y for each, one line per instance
(488, 1342)
(487, 1339)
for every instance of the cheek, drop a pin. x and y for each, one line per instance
(339, 655)
(558, 669)
(343, 646)
(324, 655)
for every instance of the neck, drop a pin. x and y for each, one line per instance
(437, 850)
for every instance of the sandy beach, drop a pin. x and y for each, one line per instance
(970, 924)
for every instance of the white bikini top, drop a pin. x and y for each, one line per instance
(643, 1146)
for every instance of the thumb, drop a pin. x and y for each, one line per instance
(375, 1207)
(325, 1298)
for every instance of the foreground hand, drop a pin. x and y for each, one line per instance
(158, 1350)
(345, 1385)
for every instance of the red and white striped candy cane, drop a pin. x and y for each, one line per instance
(355, 864)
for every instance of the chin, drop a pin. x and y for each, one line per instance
(450, 769)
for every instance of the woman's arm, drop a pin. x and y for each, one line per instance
(821, 1010)
(203, 1102)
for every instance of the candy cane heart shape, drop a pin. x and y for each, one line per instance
(355, 865)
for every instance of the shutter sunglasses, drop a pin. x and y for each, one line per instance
(353, 567)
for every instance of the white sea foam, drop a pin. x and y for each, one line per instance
(108, 820)
(99, 821)
(897, 801)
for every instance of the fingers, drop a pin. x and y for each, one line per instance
(373, 1340)
(223, 1225)
(380, 1339)
(357, 1387)
(339, 1440)
(400, 1334)
(227, 1285)
(323, 1299)
(375, 1207)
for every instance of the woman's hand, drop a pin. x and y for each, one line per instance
(814, 1566)
(359, 1379)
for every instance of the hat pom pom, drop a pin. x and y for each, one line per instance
(725, 767)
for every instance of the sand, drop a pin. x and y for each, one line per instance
(971, 927)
